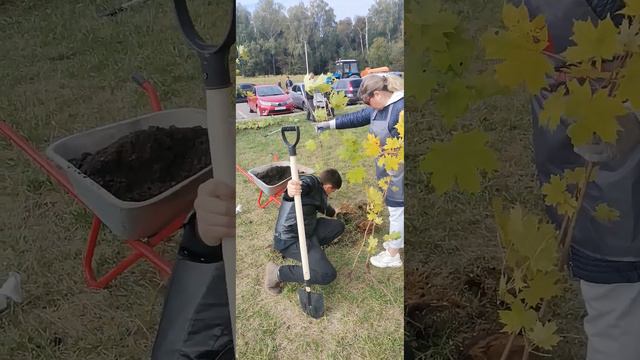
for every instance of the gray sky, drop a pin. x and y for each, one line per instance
(342, 8)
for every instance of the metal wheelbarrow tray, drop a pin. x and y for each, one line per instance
(127, 219)
(274, 189)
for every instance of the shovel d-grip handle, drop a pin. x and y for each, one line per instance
(213, 58)
(290, 146)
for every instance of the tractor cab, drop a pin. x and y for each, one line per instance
(346, 69)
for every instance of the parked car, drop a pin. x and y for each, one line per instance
(241, 91)
(350, 88)
(269, 100)
(298, 95)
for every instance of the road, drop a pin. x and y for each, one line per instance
(243, 114)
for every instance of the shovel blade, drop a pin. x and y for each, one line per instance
(312, 303)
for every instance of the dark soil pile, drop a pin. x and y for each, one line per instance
(148, 162)
(275, 175)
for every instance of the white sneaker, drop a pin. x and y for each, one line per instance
(384, 260)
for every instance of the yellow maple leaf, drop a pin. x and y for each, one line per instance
(371, 146)
(400, 125)
(392, 144)
(598, 42)
(632, 8)
(544, 336)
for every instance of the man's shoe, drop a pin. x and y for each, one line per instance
(384, 260)
(271, 282)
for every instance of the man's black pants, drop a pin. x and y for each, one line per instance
(321, 270)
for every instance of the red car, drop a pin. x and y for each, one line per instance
(269, 100)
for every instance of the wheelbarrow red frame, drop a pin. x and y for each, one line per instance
(272, 198)
(141, 248)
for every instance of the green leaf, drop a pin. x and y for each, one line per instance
(459, 161)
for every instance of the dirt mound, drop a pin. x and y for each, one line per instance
(148, 162)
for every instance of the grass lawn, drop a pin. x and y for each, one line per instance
(364, 315)
(63, 71)
(269, 79)
(453, 258)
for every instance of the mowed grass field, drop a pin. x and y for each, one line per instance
(364, 315)
(63, 71)
(269, 79)
(453, 257)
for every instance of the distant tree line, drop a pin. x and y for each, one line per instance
(271, 40)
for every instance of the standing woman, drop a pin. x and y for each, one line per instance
(605, 258)
(384, 97)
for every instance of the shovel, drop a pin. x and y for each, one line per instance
(221, 122)
(312, 303)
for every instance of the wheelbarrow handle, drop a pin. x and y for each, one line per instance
(290, 146)
(213, 58)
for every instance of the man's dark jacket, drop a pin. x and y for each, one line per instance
(314, 200)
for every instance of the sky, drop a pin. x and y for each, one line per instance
(342, 8)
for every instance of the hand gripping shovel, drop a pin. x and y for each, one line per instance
(312, 303)
(221, 123)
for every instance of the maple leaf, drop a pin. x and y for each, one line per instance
(532, 242)
(632, 8)
(520, 48)
(400, 125)
(629, 39)
(554, 108)
(593, 114)
(454, 102)
(384, 182)
(606, 214)
(338, 100)
(310, 145)
(576, 176)
(543, 285)
(544, 336)
(517, 318)
(389, 162)
(392, 144)
(598, 42)
(459, 161)
(629, 88)
(556, 194)
(456, 55)
(372, 244)
(420, 84)
(429, 23)
(394, 235)
(356, 176)
(371, 146)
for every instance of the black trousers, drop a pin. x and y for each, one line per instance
(321, 270)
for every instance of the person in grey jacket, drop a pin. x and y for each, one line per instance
(385, 99)
(604, 257)
(195, 322)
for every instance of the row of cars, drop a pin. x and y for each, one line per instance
(273, 100)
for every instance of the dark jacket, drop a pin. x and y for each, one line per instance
(195, 322)
(601, 253)
(314, 201)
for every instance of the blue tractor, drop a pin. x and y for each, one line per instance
(346, 68)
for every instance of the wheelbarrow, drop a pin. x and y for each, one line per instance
(272, 191)
(143, 225)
